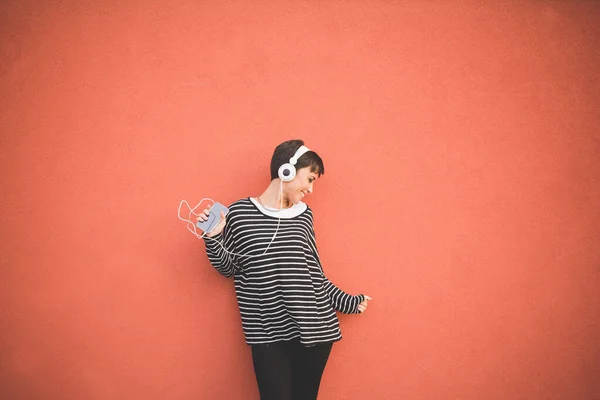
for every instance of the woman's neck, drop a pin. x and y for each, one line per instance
(271, 197)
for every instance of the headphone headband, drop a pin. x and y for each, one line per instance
(299, 153)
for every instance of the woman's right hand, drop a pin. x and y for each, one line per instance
(362, 307)
(218, 228)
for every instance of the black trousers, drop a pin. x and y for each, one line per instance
(289, 370)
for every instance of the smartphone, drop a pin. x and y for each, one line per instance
(214, 217)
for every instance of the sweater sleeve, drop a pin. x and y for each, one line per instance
(342, 301)
(220, 259)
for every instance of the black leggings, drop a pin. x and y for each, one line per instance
(289, 370)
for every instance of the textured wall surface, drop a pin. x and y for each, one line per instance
(461, 143)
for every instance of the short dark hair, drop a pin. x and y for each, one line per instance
(286, 150)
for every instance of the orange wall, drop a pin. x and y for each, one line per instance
(462, 191)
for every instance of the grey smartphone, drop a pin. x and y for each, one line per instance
(214, 217)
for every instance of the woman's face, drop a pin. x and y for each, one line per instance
(300, 186)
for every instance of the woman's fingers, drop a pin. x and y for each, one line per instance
(203, 216)
(363, 304)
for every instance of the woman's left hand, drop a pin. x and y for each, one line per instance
(363, 305)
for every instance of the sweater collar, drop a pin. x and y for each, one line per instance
(291, 212)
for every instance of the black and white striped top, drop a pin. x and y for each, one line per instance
(283, 294)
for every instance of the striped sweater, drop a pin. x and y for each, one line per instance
(282, 294)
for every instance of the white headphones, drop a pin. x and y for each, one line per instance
(287, 171)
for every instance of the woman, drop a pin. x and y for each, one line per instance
(286, 302)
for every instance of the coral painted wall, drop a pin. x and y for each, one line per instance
(462, 190)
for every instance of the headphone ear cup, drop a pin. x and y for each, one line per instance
(286, 172)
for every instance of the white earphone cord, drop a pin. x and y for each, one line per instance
(195, 232)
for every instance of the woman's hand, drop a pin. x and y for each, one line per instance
(218, 228)
(363, 305)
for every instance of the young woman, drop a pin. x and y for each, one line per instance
(287, 304)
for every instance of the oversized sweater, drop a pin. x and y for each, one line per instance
(282, 294)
